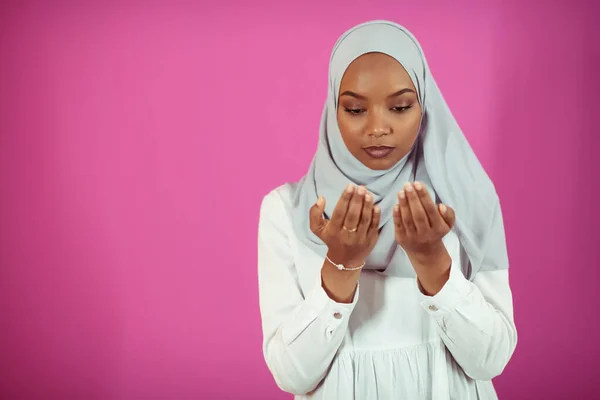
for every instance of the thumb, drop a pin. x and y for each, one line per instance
(447, 214)
(317, 221)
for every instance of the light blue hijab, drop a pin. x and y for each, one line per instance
(441, 158)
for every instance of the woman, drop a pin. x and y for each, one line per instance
(383, 273)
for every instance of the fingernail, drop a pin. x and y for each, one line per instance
(349, 188)
(418, 186)
(402, 195)
(408, 187)
(368, 197)
(377, 210)
(443, 208)
(320, 201)
(361, 190)
(396, 208)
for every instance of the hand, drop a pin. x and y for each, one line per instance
(352, 232)
(420, 225)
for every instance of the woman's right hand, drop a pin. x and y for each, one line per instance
(352, 231)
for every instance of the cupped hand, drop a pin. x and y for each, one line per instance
(420, 225)
(352, 231)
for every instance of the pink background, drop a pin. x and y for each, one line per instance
(137, 140)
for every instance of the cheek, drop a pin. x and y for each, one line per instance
(415, 123)
(350, 127)
(409, 124)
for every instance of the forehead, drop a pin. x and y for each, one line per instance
(374, 70)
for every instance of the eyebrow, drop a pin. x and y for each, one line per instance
(359, 96)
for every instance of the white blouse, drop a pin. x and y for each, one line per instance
(392, 341)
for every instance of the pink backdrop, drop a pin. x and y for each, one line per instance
(137, 140)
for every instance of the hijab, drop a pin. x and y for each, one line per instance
(441, 158)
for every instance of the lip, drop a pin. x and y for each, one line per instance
(379, 151)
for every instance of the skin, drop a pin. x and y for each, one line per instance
(378, 105)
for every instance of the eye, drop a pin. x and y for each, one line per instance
(353, 111)
(401, 109)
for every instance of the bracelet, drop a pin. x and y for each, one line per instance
(341, 266)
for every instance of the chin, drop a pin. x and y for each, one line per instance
(378, 165)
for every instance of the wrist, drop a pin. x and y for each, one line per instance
(340, 286)
(432, 284)
(432, 268)
(335, 259)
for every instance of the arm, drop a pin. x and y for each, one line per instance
(475, 319)
(301, 335)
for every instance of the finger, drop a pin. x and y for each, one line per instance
(398, 225)
(416, 208)
(407, 221)
(431, 210)
(447, 214)
(374, 228)
(397, 215)
(339, 212)
(317, 221)
(365, 216)
(355, 208)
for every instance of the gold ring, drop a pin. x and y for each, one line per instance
(350, 230)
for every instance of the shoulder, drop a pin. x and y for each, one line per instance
(276, 206)
(282, 195)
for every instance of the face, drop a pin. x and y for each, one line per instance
(379, 112)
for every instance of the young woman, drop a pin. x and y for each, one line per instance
(383, 273)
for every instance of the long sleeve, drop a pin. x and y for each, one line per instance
(475, 319)
(301, 333)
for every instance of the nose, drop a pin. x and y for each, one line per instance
(378, 125)
(379, 132)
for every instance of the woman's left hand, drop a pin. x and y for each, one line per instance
(420, 225)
